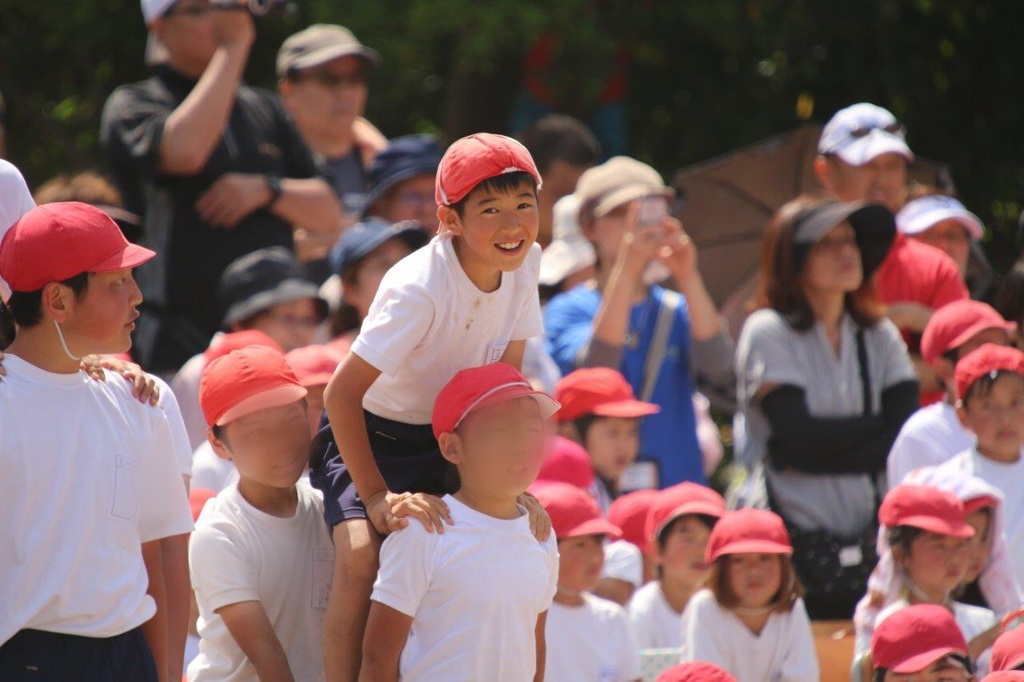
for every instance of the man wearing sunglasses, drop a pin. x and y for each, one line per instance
(863, 156)
(215, 167)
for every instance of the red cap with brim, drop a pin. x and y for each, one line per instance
(246, 381)
(630, 512)
(748, 531)
(599, 391)
(1005, 676)
(927, 508)
(681, 500)
(1008, 651)
(986, 360)
(913, 638)
(695, 671)
(955, 324)
(478, 387)
(475, 158)
(573, 512)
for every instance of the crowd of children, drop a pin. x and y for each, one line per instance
(402, 503)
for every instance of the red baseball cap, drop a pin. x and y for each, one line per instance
(695, 671)
(225, 343)
(475, 158)
(477, 387)
(197, 499)
(988, 359)
(600, 391)
(927, 508)
(566, 462)
(573, 512)
(629, 513)
(314, 365)
(913, 638)
(244, 381)
(1005, 676)
(1008, 651)
(54, 242)
(748, 531)
(954, 324)
(680, 500)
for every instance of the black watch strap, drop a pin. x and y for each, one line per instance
(274, 185)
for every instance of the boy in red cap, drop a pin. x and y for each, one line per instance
(260, 556)
(1008, 651)
(678, 526)
(695, 671)
(751, 620)
(601, 413)
(990, 387)
(626, 567)
(470, 604)
(468, 298)
(920, 644)
(588, 638)
(90, 473)
(934, 434)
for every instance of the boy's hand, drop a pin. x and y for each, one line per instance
(390, 511)
(143, 386)
(540, 522)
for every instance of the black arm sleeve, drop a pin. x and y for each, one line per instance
(834, 445)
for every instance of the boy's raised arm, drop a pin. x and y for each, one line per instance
(252, 631)
(387, 631)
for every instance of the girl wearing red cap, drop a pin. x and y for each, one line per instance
(751, 620)
(927, 541)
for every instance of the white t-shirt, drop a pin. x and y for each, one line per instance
(590, 643)
(428, 321)
(623, 561)
(210, 471)
(1008, 478)
(179, 438)
(783, 652)
(973, 621)
(239, 553)
(185, 385)
(655, 624)
(87, 474)
(15, 201)
(932, 436)
(474, 593)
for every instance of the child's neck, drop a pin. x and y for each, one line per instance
(677, 593)
(754, 619)
(40, 346)
(280, 502)
(498, 506)
(485, 278)
(1001, 455)
(567, 597)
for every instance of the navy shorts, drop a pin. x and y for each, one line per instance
(406, 454)
(38, 656)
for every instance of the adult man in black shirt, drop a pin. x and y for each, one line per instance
(215, 167)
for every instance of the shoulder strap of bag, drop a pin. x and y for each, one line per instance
(670, 302)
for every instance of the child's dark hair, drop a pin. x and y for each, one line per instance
(506, 183)
(583, 425)
(901, 537)
(26, 307)
(707, 520)
(982, 386)
(790, 589)
(558, 137)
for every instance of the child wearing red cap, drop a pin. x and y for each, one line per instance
(467, 299)
(934, 434)
(626, 567)
(91, 479)
(925, 532)
(920, 644)
(678, 527)
(588, 638)
(260, 557)
(601, 413)
(990, 385)
(695, 671)
(470, 604)
(751, 620)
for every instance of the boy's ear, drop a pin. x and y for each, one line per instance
(218, 445)
(823, 171)
(961, 413)
(55, 301)
(449, 217)
(451, 447)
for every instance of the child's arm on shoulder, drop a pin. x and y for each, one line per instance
(387, 511)
(542, 647)
(252, 631)
(514, 353)
(387, 631)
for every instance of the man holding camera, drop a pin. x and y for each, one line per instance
(216, 168)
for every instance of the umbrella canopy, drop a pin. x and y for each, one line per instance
(725, 203)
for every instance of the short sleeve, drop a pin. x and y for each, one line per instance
(569, 325)
(399, 320)
(406, 569)
(132, 128)
(179, 436)
(896, 360)
(552, 563)
(529, 322)
(911, 451)
(800, 663)
(222, 572)
(163, 504)
(623, 561)
(765, 355)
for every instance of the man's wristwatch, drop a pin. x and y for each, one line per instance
(274, 185)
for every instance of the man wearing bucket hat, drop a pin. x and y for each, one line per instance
(215, 168)
(402, 181)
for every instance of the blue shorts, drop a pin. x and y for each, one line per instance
(39, 656)
(406, 454)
